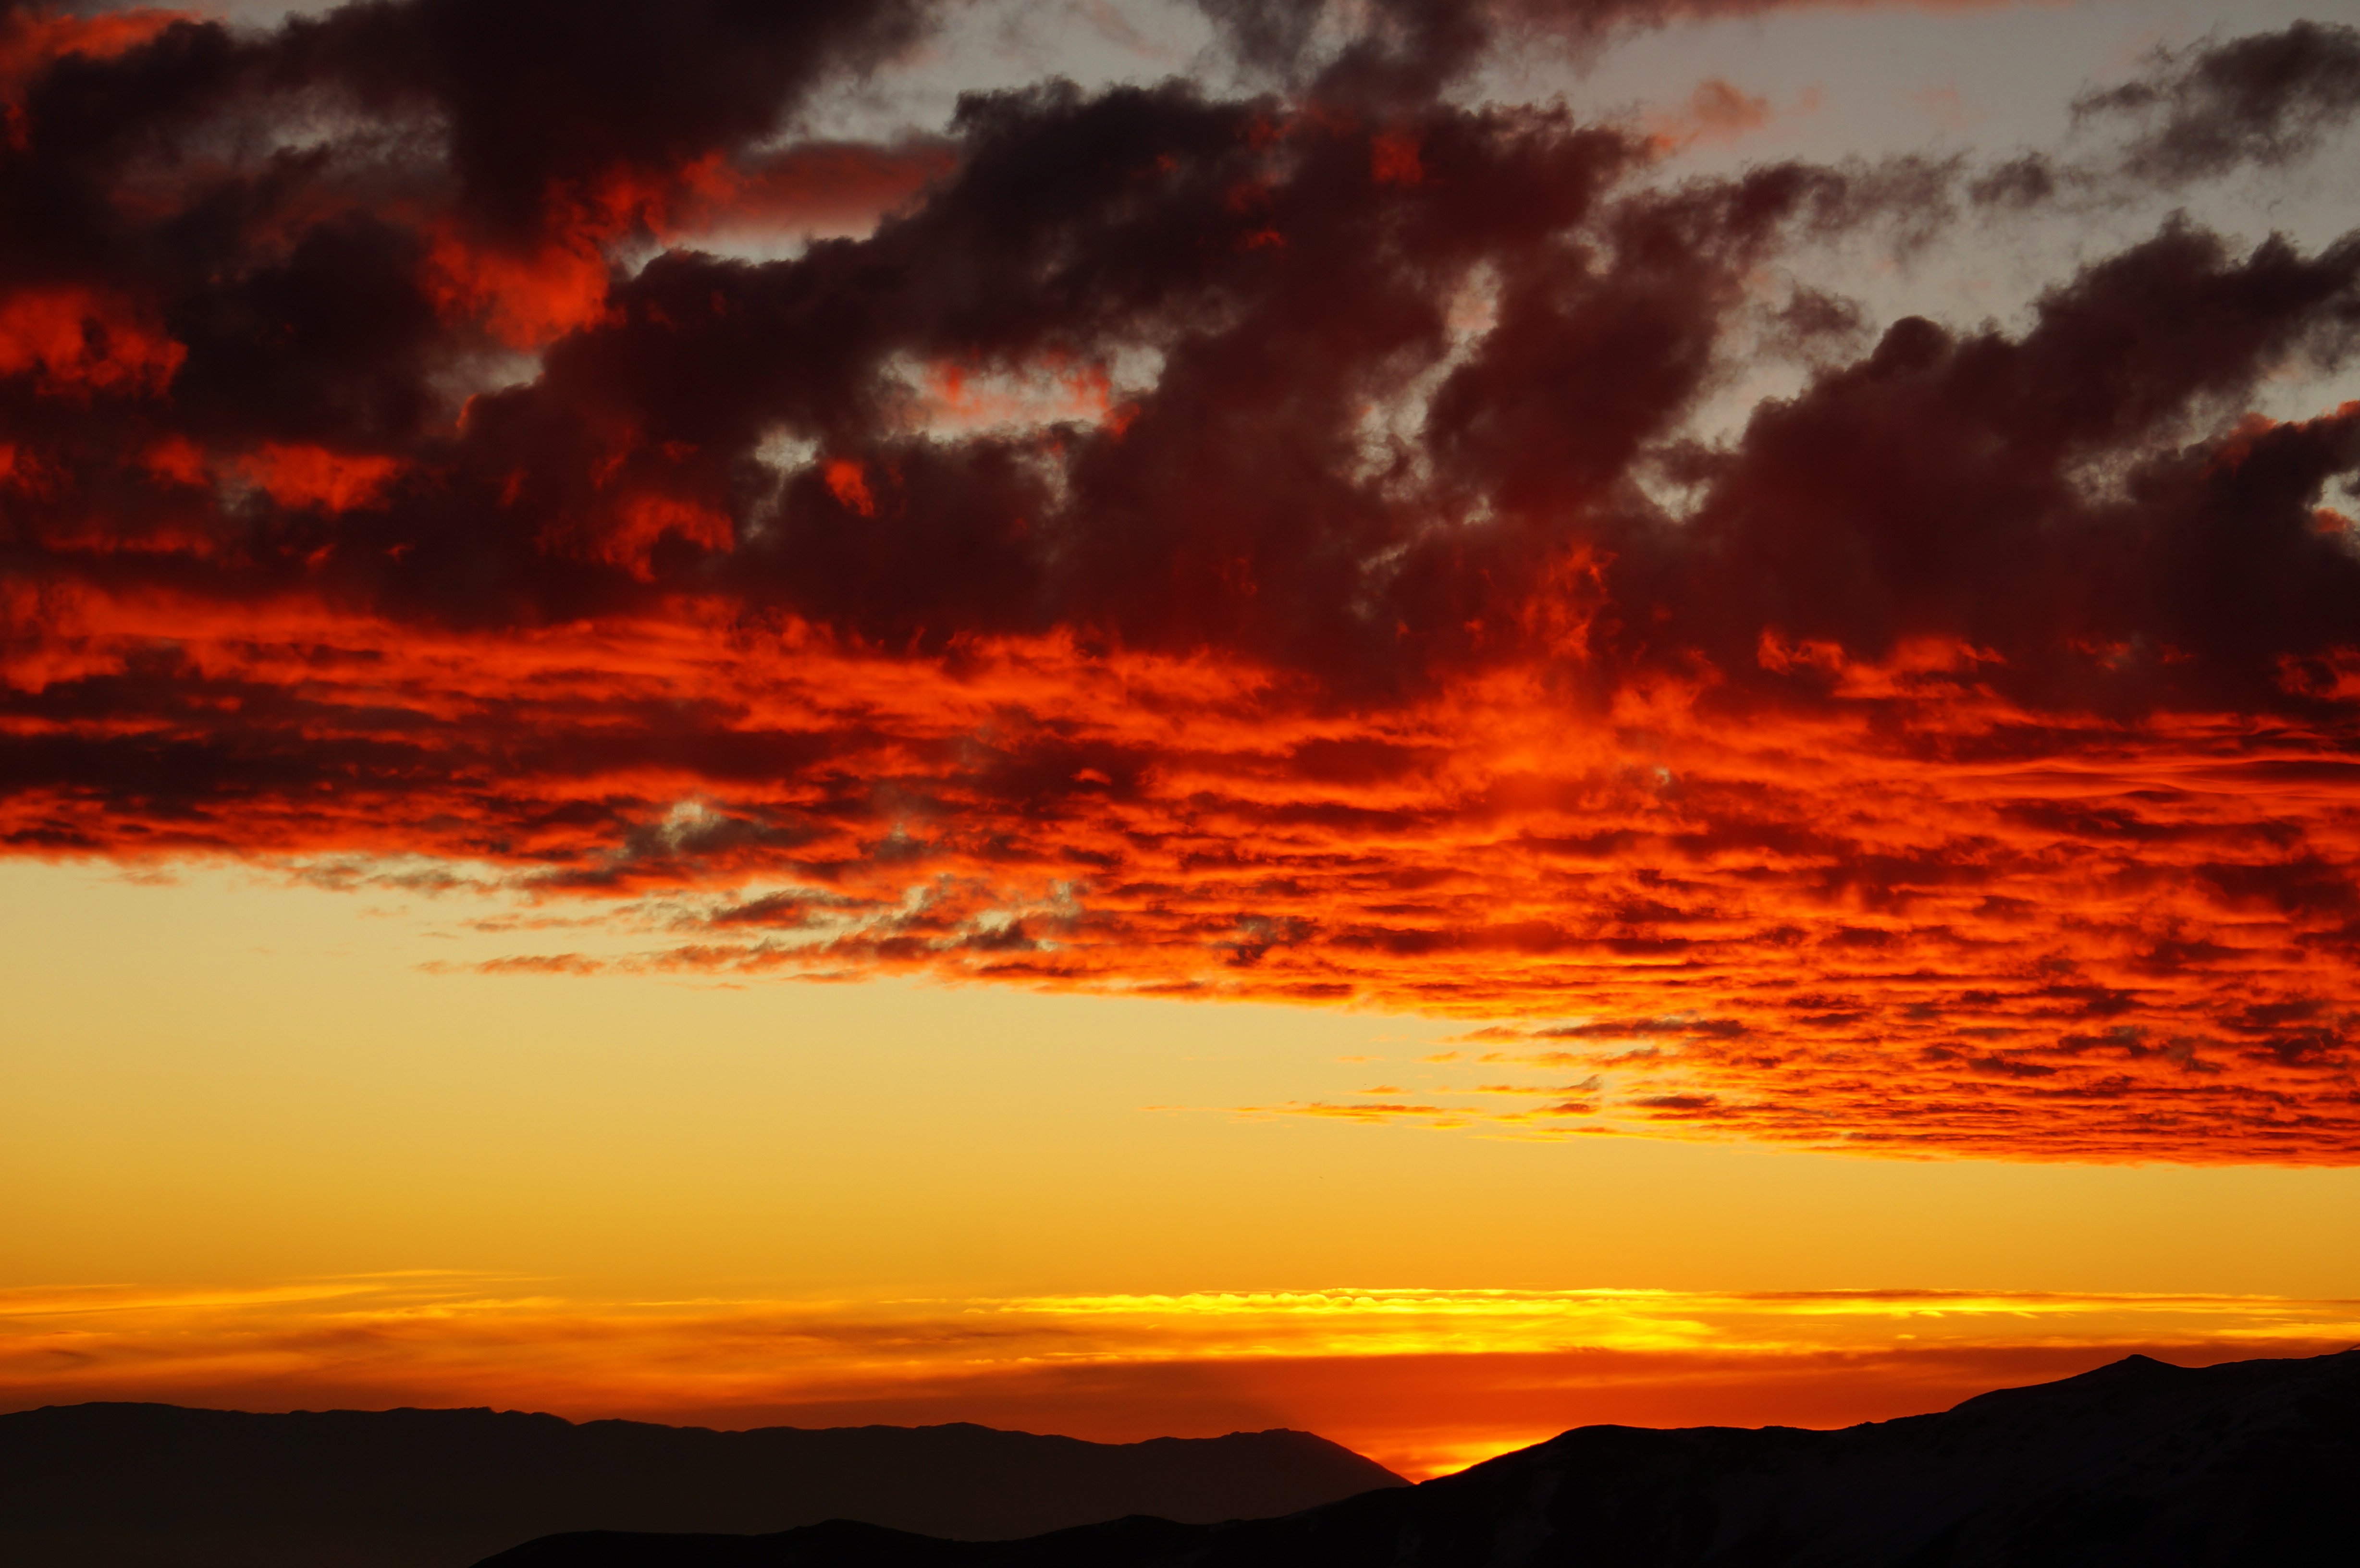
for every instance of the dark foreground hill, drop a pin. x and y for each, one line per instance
(2254, 1464)
(117, 1485)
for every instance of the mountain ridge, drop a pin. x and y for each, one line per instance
(2136, 1463)
(98, 1486)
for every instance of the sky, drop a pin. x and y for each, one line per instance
(1423, 720)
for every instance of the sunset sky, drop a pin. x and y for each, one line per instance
(1413, 718)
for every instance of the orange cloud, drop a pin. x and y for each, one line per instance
(1916, 920)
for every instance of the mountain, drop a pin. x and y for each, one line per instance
(2251, 1464)
(125, 1485)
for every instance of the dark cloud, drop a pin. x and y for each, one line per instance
(2265, 98)
(1946, 487)
(537, 98)
(1373, 51)
(1391, 50)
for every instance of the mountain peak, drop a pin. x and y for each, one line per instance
(2247, 1463)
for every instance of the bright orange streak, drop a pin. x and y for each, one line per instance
(1425, 1380)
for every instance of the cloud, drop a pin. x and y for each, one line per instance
(540, 111)
(2265, 99)
(1382, 51)
(1718, 111)
(1196, 545)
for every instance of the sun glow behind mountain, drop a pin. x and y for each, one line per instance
(1424, 1381)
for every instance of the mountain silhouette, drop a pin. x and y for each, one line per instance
(2252, 1464)
(136, 1485)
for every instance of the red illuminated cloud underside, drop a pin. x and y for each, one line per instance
(1916, 917)
(1211, 549)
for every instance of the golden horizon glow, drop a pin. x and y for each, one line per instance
(446, 1338)
(1084, 727)
(227, 1077)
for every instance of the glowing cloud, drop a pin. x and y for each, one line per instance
(1258, 547)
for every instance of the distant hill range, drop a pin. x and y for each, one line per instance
(2254, 1464)
(126, 1486)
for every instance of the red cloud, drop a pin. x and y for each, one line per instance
(300, 476)
(1903, 791)
(75, 341)
(2102, 940)
(33, 38)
